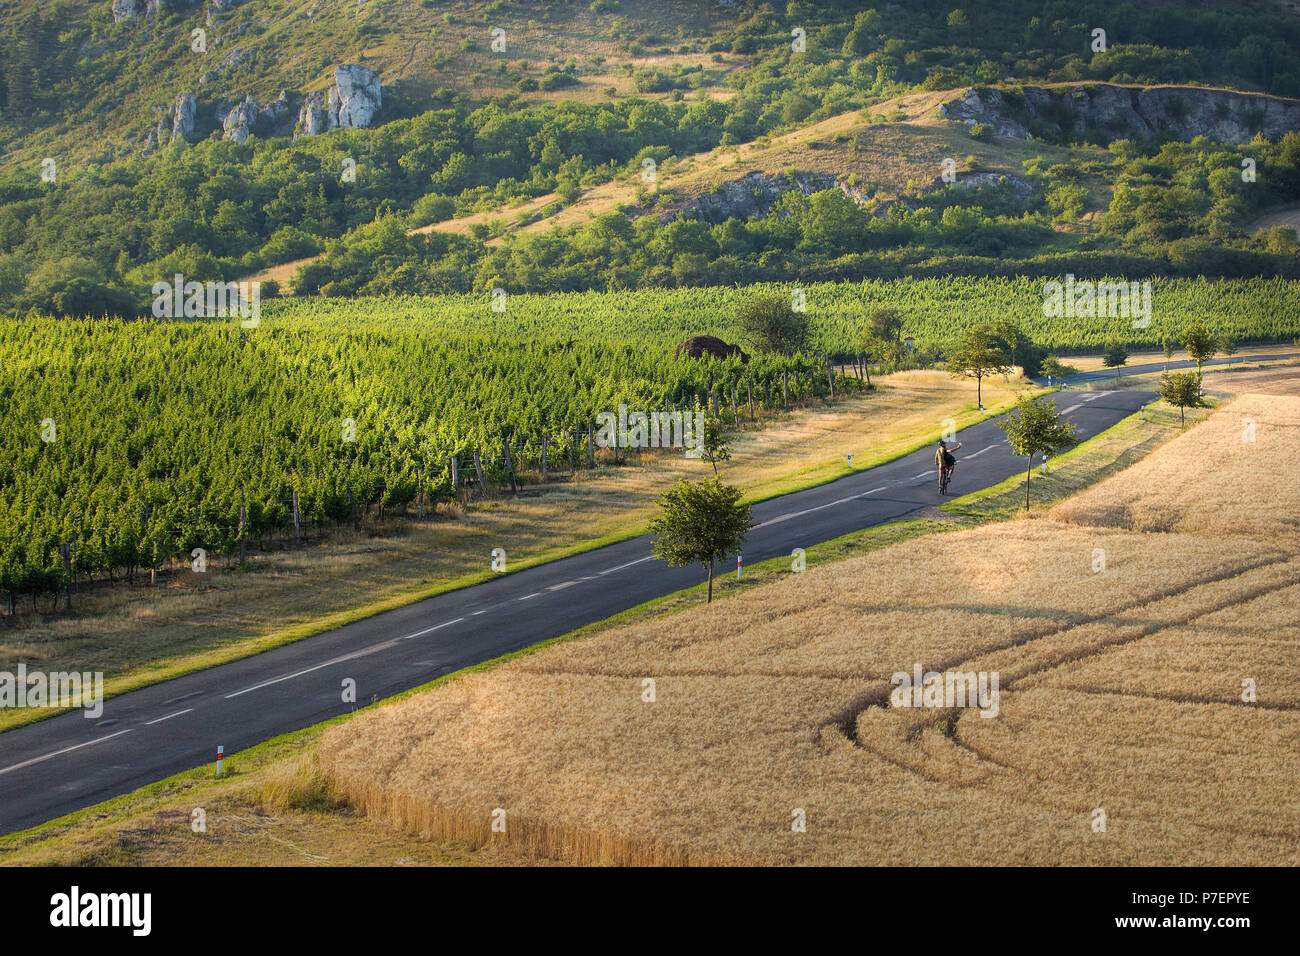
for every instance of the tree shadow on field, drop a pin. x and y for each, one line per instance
(993, 610)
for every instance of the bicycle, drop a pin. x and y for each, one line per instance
(945, 475)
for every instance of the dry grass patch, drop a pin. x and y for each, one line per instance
(1231, 475)
(1119, 690)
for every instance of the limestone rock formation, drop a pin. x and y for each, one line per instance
(313, 117)
(753, 195)
(237, 124)
(353, 101)
(216, 7)
(356, 96)
(183, 116)
(277, 108)
(135, 9)
(1110, 111)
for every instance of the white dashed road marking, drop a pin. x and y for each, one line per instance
(375, 648)
(65, 750)
(150, 723)
(648, 557)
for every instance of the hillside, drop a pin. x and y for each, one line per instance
(771, 736)
(403, 140)
(129, 71)
(86, 79)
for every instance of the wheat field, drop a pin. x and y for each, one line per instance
(1127, 628)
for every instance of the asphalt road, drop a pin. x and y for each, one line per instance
(64, 763)
(1147, 368)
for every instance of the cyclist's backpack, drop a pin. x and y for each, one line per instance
(948, 459)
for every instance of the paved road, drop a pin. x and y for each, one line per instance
(1108, 374)
(67, 762)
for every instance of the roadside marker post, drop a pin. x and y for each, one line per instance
(1142, 413)
(220, 752)
(737, 567)
(850, 459)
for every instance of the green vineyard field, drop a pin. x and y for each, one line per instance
(135, 442)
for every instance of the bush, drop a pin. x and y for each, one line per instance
(432, 208)
(556, 81)
(982, 132)
(1053, 366)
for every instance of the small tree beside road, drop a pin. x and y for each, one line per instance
(1228, 346)
(1200, 345)
(1115, 356)
(714, 447)
(1183, 391)
(700, 521)
(1034, 427)
(977, 353)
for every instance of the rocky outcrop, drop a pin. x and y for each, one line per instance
(356, 96)
(237, 123)
(753, 196)
(216, 7)
(176, 122)
(313, 117)
(183, 117)
(1110, 111)
(353, 101)
(276, 110)
(136, 9)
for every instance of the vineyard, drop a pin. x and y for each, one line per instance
(1258, 310)
(131, 444)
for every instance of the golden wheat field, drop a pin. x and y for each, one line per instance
(1126, 629)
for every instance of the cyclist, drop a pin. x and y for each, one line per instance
(945, 462)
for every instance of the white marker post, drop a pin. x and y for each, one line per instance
(850, 459)
(1142, 413)
(737, 567)
(220, 752)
